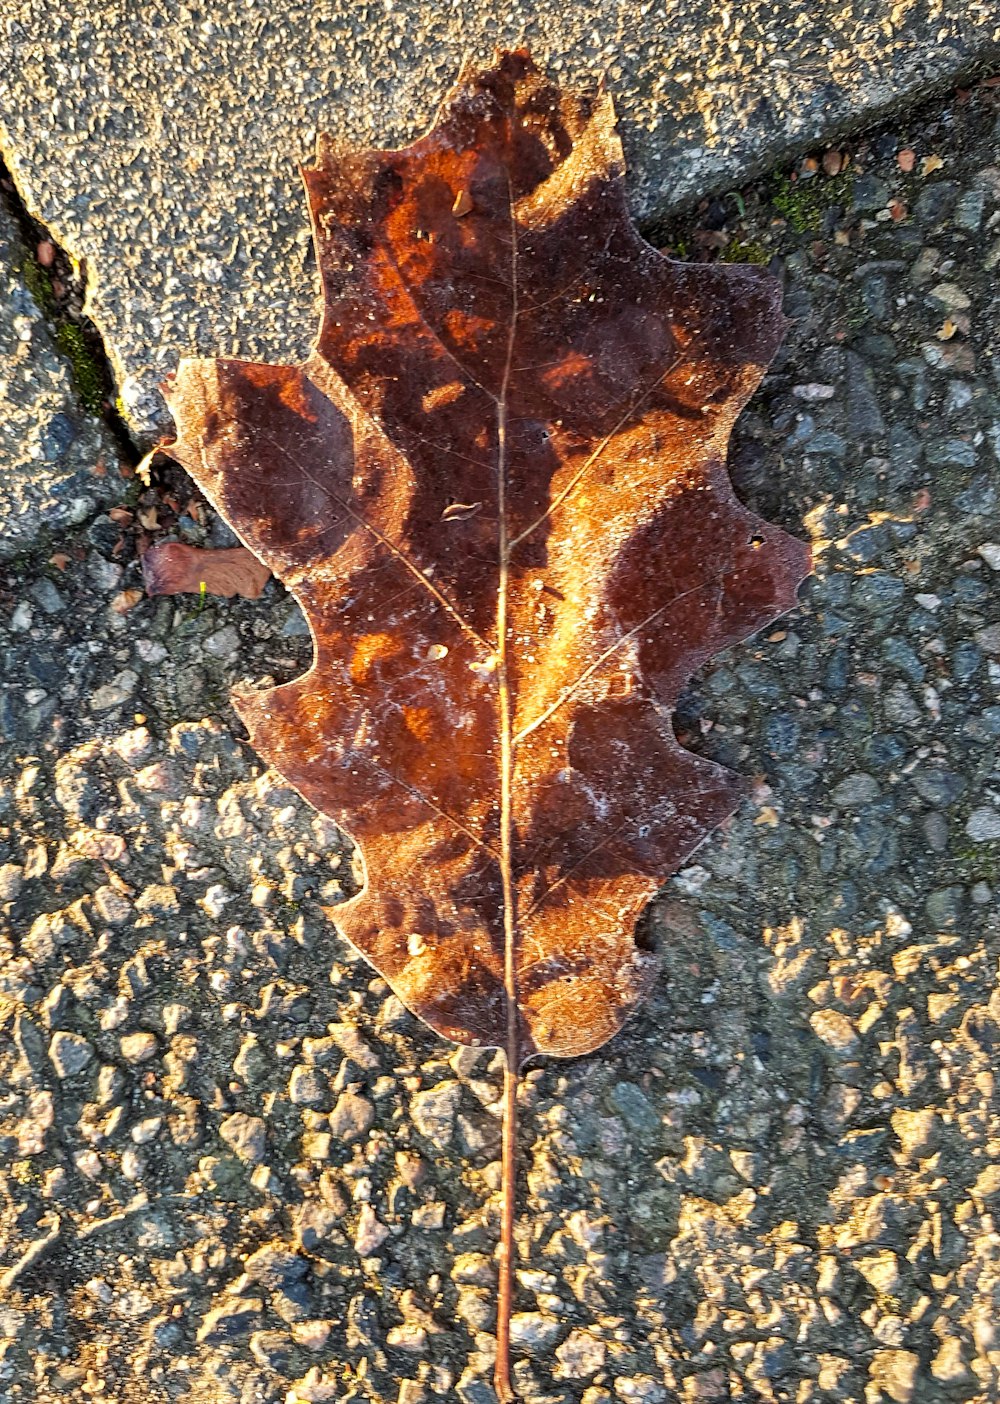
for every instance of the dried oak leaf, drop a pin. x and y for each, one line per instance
(171, 568)
(497, 488)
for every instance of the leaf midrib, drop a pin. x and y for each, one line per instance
(505, 719)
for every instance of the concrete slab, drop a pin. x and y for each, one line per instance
(159, 142)
(57, 463)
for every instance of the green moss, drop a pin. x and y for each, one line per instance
(746, 251)
(856, 316)
(87, 376)
(978, 862)
(797, 205)
(88, 379)
(803, 202)
(39, 283)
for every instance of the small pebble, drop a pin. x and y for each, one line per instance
(983, 825)
(247, 1135)
(139, 1047)
(70, 1054)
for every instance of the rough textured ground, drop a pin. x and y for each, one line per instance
(234, 1168)
(160, 141)
(57, 463)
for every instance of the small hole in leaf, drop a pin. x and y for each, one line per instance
(756, 542)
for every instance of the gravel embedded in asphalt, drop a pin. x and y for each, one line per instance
(235, 1168)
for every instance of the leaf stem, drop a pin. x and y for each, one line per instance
(508, 1204)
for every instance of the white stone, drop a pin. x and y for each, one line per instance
(983, 825)
(433, 1111)
(580, 1355)
(532, 1330)
(247, 1135)
(115, 692)
(371, 1232)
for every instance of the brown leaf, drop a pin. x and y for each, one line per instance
(503, 753)
(125, 600)
(490, 707)
(171, 568)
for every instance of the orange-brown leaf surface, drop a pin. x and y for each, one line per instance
(497, 488)
(172, 568)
